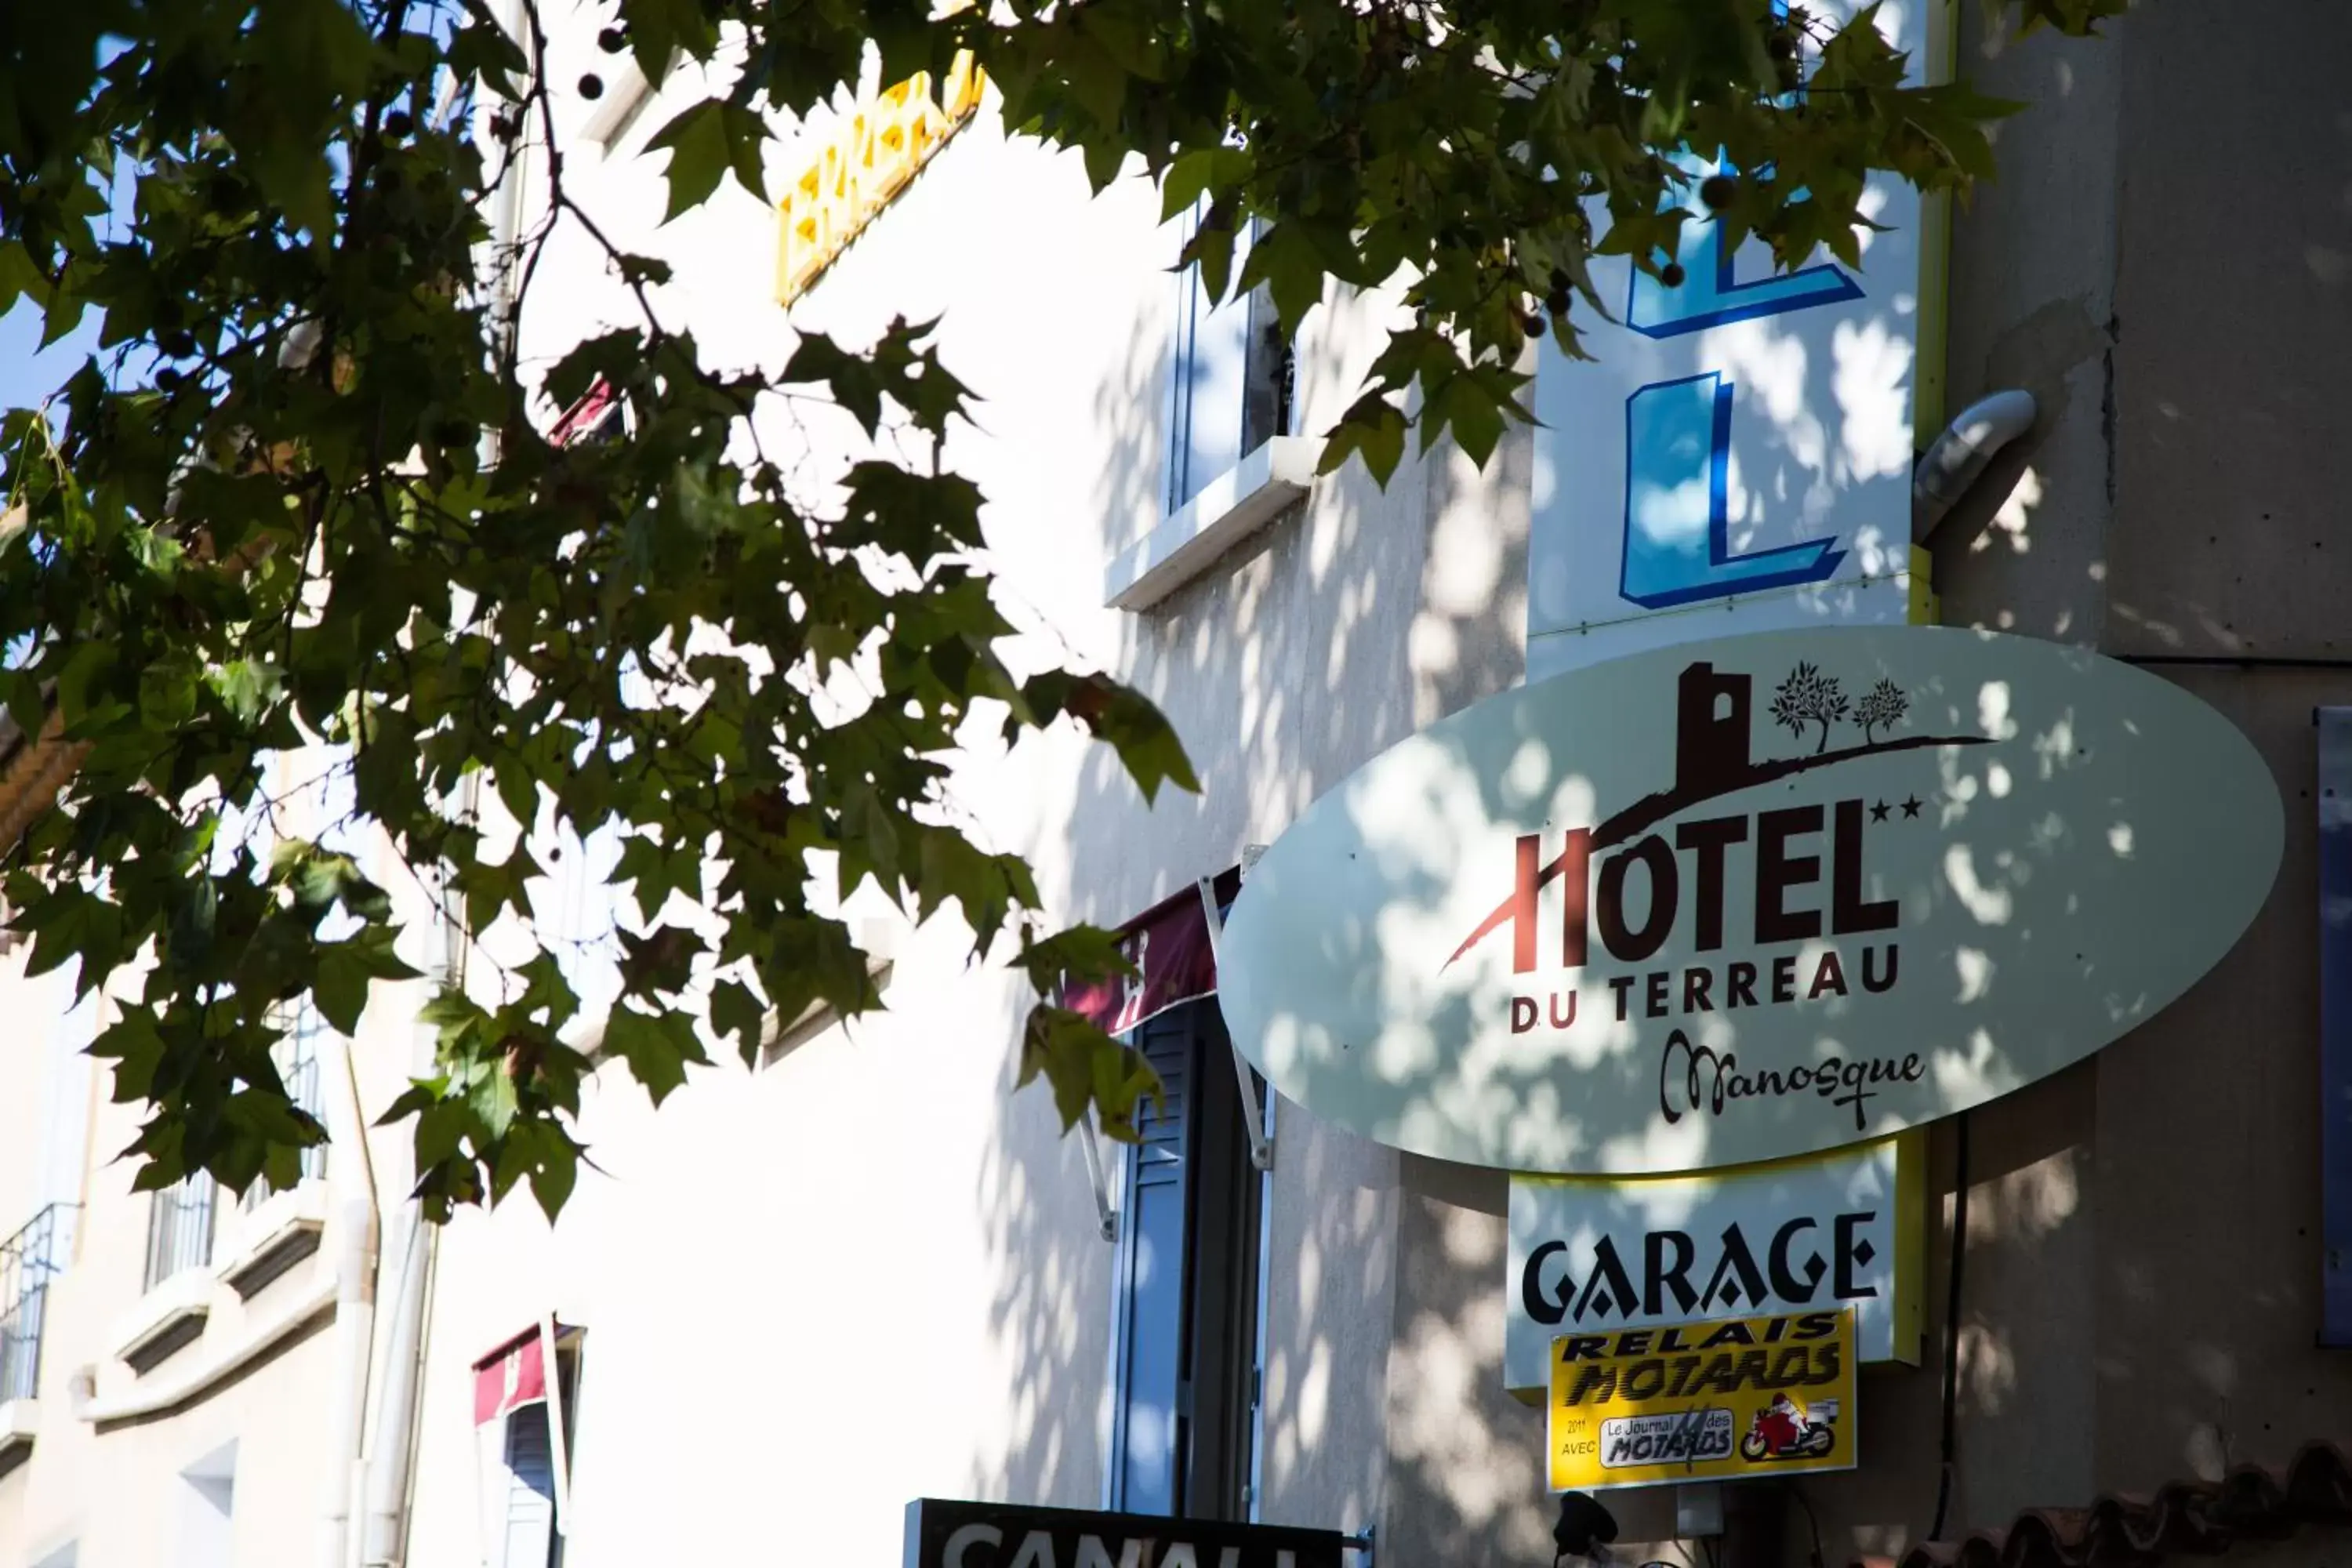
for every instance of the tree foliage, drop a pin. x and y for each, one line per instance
(303, 500)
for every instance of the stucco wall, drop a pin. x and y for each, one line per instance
(870, 1271)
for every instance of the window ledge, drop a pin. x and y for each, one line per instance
(1229, 509)
(20, 1419)
(283, 1231)
(167, 1320)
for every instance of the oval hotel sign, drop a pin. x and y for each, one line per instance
(1747, 897)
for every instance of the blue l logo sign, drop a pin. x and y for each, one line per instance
(1677, 503)
(1678, 435)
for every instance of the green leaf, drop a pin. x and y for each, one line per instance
(553, 1174)
(1475, 405)
(1093, 74)
(1201, 171)
(1146, 742)
(706, 142)
(1082, 953)
(492, 1099)
(1083, 1065)
(348, 970)
(311, 55)
(342, 990)
(658, 28)
(1372, 428)
(737, 1012)
(1211, 249)
(658, 1049)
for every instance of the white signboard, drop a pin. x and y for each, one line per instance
(1747, 897)
(1737, 456)
(1590, 1257)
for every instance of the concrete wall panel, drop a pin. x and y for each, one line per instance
(2234, 296)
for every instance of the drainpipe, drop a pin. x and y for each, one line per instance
(355, 1262)
(1959, 456)
(395, 1430)
(391, 1456)
(388, 1471)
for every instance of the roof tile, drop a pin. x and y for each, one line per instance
(2186, 1518)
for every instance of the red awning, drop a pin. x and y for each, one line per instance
(1169, 945)
(583, 415)
(510, 1377)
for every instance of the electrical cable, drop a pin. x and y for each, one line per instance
(1812, 1522)
(1952, 1324)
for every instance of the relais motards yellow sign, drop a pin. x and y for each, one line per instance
(1705, 1401)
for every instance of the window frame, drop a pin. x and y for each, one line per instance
(1268, 405)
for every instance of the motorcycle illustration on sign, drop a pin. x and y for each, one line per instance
(1786, 1430)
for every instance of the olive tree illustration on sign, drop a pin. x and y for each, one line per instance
(1806, 697)
(1882, 707)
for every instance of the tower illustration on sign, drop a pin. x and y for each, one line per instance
(1710, 731)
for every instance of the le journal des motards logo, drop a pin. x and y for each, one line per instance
(1634, 879)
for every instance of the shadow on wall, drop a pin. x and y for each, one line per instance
(1356, 618)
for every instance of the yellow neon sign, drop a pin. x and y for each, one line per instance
(863, 164)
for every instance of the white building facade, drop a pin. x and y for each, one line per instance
(795, 1297)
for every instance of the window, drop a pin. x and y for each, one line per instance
(1229, 389)
(1185, 1352)
(526, 1441)
(297, 1056)
(180, 1227)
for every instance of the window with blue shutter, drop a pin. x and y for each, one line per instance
(525, 1497)
(1185, 1358)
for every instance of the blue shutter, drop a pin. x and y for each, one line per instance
(530, 1519)
(1145, 1452)
(1210, 378)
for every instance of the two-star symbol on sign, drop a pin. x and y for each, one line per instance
(1910, 808)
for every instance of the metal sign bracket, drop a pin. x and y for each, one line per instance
(1261, 1146)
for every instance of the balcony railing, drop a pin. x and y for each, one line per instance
(29, 1261)
(180, 1227)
